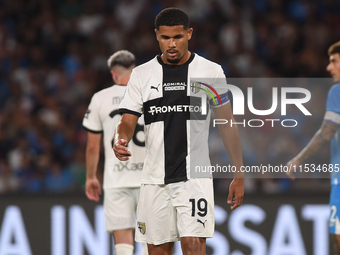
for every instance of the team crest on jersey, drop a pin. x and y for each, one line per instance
(195, 87)
(141, 227)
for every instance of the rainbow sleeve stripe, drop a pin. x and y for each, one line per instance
(213, 90)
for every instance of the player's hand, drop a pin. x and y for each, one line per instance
(93, 189)
(121, 151)
(292, 164)
(236, 192)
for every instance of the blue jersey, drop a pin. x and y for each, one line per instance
(333, 115)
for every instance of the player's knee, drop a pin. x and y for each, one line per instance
(124, 249)
(163, 249)
(193, 245)
(336, 242)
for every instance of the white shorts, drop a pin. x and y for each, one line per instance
(166, 213)
(120, 208)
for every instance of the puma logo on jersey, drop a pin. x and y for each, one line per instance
(156, 88)
(203, 223)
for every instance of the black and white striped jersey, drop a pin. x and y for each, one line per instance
(176, 131)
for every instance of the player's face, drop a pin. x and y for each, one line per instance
(173, 42)
(334, 66)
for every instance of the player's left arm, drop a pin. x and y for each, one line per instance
(232, 144)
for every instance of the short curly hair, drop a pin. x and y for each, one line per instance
(172, 17)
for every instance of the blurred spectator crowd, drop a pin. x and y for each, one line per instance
(53, 58)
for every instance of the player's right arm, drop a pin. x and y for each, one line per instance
(326, 132)
(321, 137)
(132, 108)
(92, 185)
(124, 133)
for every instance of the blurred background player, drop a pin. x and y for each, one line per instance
(329, 131)
(121, 180)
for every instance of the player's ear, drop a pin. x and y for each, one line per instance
(190, 30)
(157, 34)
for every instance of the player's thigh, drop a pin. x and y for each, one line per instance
(194, 203)
(119, 208)
(156, 219)
(334, 217)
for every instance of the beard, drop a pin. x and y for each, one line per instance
(173, 61)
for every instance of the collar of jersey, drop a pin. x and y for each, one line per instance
(175, 66)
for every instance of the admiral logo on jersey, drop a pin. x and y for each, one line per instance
(175, 108)
(174, 86)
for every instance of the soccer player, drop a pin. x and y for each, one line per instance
(329, 131)
(121, 180)
(174, 206)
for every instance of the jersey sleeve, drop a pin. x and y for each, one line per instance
(221, 92)
(132, 101)
(333, 105)
(91, 121)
